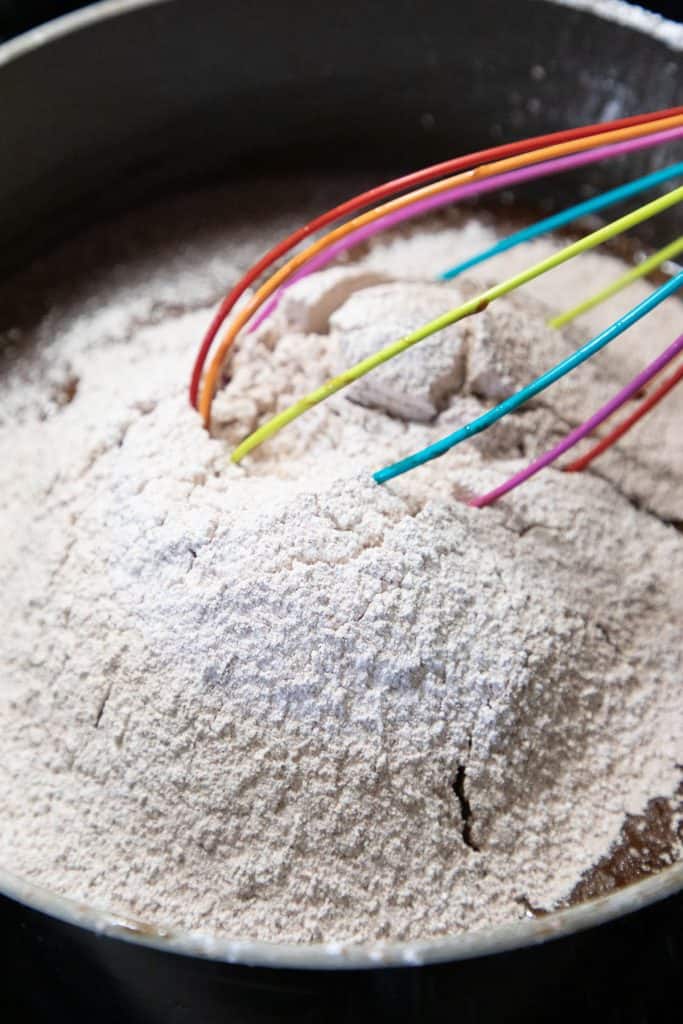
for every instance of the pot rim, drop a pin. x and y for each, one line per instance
(341, 955)
(618, 11)
(347, 955)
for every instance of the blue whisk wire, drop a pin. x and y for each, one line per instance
(564, 217)
(440, 447)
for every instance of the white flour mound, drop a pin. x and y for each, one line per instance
(279, 701)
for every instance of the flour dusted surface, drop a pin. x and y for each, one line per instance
(279, 701)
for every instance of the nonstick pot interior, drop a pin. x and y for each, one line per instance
(141, 96)
(125, 100)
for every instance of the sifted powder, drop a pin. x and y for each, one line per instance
(278, 701)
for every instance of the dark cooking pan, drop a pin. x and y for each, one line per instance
(125, 100)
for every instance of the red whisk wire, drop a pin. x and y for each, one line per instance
(643, 408)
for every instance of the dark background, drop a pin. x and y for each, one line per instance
(19, 15)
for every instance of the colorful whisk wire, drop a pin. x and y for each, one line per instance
(393, 187)
(473, 175)
(476, 426)
(472, 306)
(594, 421)
(622, 428)
(416, 209)
(565, 217)
(458, 179)
(669, 252)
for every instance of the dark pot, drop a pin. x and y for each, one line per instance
(124, 99)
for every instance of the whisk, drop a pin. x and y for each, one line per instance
(453, 180)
